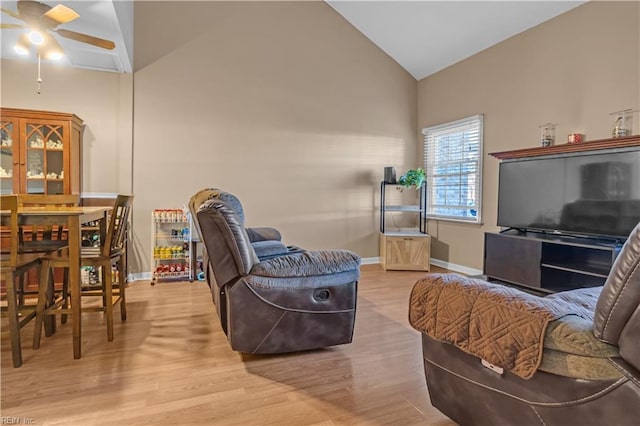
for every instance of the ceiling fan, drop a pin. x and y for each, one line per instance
(40, 19)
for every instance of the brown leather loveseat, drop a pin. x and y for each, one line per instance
(494, 355)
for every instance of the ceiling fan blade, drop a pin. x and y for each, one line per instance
(61, 14)
(11, 13)
(31, 10)
(9, 26)
(85, 38)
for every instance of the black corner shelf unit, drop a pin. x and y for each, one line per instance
(420, 208)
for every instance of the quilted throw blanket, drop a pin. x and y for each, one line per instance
(497, 323)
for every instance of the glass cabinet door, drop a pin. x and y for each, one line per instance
(44, 158)
(8, 156)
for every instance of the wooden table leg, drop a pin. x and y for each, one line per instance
(74, 283)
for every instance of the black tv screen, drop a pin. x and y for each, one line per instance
(595, 195)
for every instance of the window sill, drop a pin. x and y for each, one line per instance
(450, 219)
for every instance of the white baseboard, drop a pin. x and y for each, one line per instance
(146, 276)
(437, 262)
(456, 268)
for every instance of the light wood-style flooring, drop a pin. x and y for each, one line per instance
(170, 364)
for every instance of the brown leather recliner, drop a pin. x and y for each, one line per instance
(266, 240)
(293, 302)
(581, 349)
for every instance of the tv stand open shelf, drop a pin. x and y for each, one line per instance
(548, 262)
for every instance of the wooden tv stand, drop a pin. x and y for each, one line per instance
(548, 262)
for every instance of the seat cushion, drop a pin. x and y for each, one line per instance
(306, 269)
(578, 366)
(584, 299)
(574, 335)
(571, 349)
(308, 263)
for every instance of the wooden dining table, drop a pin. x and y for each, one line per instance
(73, 218)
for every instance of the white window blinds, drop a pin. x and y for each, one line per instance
(453, 166)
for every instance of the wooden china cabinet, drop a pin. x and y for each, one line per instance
(40, 152)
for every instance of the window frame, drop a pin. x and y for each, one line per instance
(455, 126)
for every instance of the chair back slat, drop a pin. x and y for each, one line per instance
(10, 202)
(45, 232)
(116, 232)
(30, 200)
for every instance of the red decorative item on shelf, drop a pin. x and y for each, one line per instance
(575, 138)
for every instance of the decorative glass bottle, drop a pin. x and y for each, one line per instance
(622, 123)
(547, 134)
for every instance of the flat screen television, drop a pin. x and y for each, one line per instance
(595, 194)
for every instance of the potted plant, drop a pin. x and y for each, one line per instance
(412, 178)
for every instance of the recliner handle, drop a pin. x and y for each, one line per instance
(321, 294)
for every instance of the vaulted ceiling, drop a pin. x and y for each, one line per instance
(427, 36)
(422, 36)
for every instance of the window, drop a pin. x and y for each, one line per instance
(453, 166)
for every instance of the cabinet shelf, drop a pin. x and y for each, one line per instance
(166, 236)
(407, 208)
(575, 268)
(548, 264)
(172, 275)
(172, 257)
(179, 239)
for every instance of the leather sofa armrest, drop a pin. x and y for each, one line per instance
(308, 263)
(269, 248)
(263, 233)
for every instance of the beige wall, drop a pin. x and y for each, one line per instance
(284, 104)
(291, 108)
(102, 99)
(573, 70)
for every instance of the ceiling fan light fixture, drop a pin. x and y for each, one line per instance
(36, 37)
(54, 55)
(22, 45)
(51, 49)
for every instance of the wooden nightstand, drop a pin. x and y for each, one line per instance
(404, 251)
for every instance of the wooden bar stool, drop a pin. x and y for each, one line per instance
(45, 239)
(14, 265)
(111, 252)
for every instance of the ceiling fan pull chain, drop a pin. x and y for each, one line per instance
(39, 79)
